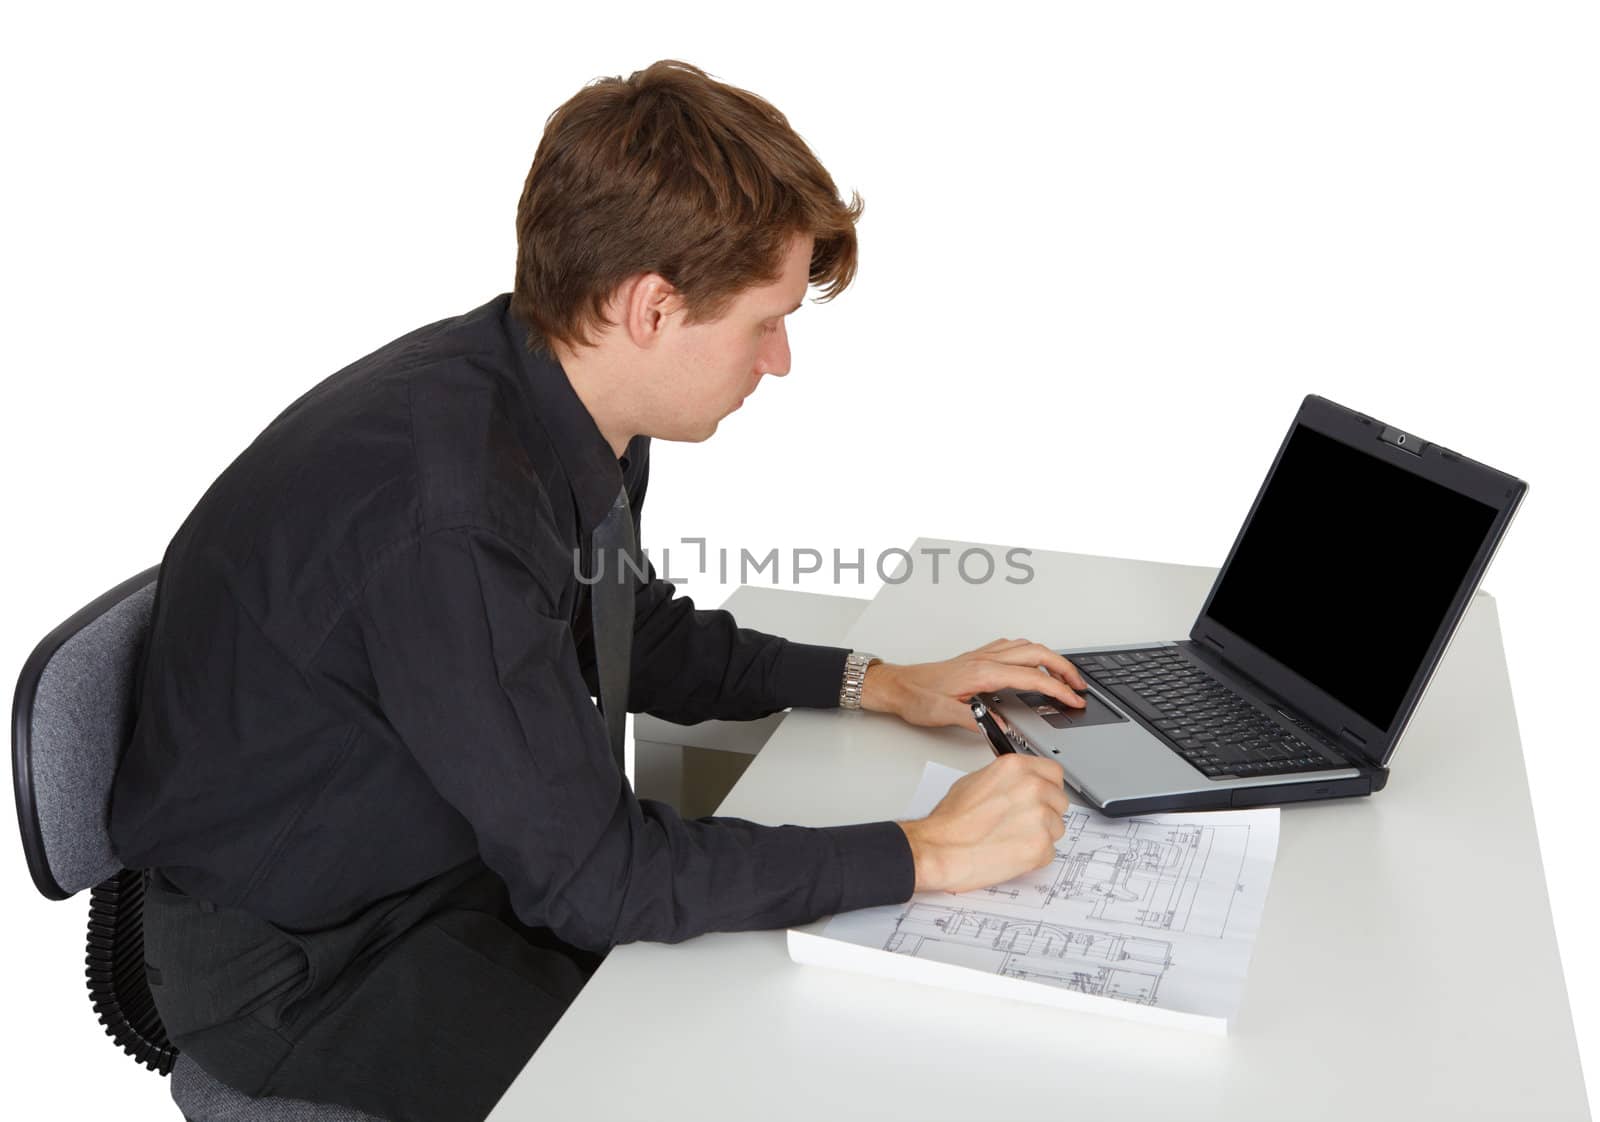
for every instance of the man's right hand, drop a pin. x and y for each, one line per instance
(996, 823)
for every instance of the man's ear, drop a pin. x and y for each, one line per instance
(645, 303)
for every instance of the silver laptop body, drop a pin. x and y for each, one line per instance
(1314, 646)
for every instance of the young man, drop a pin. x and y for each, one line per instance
(387, 835)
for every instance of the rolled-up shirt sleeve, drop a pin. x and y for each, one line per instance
(480, 679)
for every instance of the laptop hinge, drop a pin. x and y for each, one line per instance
(1356, 744)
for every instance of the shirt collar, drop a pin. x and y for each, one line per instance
(593, 471)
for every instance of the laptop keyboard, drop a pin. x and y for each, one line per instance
(1209, 725)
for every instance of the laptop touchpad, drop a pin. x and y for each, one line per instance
(1059, 715)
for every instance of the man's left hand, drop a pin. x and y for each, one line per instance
(934, 694)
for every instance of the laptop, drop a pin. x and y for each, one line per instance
(1314, 646)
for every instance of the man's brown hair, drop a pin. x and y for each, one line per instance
(676, 173)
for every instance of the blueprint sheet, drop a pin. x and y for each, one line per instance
(1151, 917)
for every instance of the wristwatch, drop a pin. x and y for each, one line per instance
(855, 673)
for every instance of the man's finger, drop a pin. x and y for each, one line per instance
(1037, 654)
(1056, 797)
(1006, 676)
(1049, 769)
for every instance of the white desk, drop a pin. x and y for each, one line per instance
(1406, 967)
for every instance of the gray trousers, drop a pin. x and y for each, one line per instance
(422, 1007)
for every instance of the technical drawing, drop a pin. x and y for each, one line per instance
(1159, 911)
(1138, 872)
(1039, 950)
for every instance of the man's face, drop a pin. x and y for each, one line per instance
(710, 368)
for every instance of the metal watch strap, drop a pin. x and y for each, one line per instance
(855, 673)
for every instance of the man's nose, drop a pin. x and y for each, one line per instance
(775, 358)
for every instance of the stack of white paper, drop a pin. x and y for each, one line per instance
(1151, 917)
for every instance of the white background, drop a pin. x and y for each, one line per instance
(1105, 254)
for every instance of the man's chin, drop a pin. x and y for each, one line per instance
(717, 421)
(689, 436)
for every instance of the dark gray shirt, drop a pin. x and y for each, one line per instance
(371, 660)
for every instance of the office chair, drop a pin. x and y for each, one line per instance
(72, 717)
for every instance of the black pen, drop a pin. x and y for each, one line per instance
(997, 739)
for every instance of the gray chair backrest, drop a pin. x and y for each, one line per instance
(71, 719)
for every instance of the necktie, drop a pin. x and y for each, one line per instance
(611, 606)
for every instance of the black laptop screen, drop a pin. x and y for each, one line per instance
(1347, 570)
